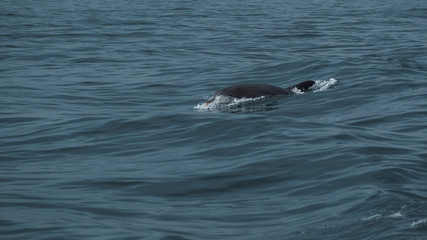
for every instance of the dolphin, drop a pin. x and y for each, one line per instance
(259, 90)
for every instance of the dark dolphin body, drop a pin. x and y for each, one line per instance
(258, 90)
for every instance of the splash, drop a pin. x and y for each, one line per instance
(295, 90)
(226, 103)
(323, 85)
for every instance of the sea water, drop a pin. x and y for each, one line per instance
(103, 134)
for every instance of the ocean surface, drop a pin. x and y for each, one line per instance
(104, 133)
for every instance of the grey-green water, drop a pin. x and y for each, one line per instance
(102, 135)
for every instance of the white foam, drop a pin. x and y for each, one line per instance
(373, 217)
(225, 102)
(397, 215)
(218, 101)
(323, 85)
(419, 223)
(296, 91)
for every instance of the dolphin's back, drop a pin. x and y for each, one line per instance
(259, 90)
(252, 91)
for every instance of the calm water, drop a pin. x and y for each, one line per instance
(102, 133)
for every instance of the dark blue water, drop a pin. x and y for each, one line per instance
(103, 134)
